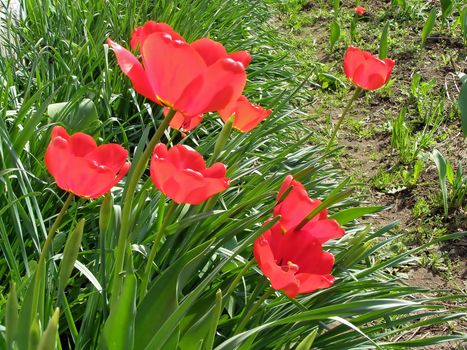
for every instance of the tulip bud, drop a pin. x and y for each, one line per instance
(105, 214)
(222, 139)
(70, 254)
(34, 334)
(50, 335)
(11, 316)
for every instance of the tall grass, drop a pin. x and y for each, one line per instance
(58, 55)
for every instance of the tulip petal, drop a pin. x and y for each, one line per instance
(352, 60)
(222, 84)
(184, 157)
(243, 57)
(183, 122)
(111, 155)
(141, 33)
(209, 50)
(133, 69)
(279, 278)
(170, 65)
(57, 155)
(323, 230)
(246, 114)
(81, 144)
(309, 282)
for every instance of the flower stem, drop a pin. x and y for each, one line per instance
(341, 119)
(152, 253)
(252, 311)
(130, 190)
(45, 250)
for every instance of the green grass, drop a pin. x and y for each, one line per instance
(58, 55)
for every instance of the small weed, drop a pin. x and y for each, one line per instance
(421, 208)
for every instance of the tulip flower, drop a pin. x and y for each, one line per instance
(246, 115)
(191, 78)
(365, 70)
(294, 262)
(81, 167)
(296, 206)
(360, 10)
(181, 174)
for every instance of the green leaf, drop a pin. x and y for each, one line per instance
(11, 316)
(441, 165)
(75, 116)
(70, 254)
(336, 4)
(383, 43)
(162, 298)
(119, 329)
(306, 343)
(463, 104)
(335, 33)
(47, 341)
(463, 19)
(347, 215)
(204, 325)
(429, 24)
(446, 8)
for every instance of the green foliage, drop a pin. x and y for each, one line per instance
(335, 33)
(383, 43)
(446, 8)
(429, 25)
(463, 104)
(192, 300)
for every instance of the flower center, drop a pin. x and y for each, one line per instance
(290, 266)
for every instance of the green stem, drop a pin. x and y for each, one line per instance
(45, 250)
(130, 190)
(239, 276)
(152, 253)
(252, 311)
(341, 119)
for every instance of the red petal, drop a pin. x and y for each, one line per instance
(141, 33)
(217, 170)
(280, 279)
(132, 68)
(170, 66)
(241, 56)
(247, 115)
(111, 155)
(310, 282)
(389, 66)
(184, 157)
(81, 144)
(57, 156)
(183, 122)
(222, 84)
(323, 230)
(352, 60)
(209, 50)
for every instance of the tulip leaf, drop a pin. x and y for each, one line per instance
(429, 24)
(336, 4)
(119, 329)
(440, 162)
(306, 343)
(11, 316)
(383, 44)
(49, 337)
(347, 215)
(463, 18)
(463, 104)
(75, 116)
(446, 8)
(162, 298)
(203, 325)
(335, 33)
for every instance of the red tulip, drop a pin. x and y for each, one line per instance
(246, 115)
(366, 70)
(297, 205)
(181, 174)
(191, 78)
(294, 262)
(360, 10)
(83, 168)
